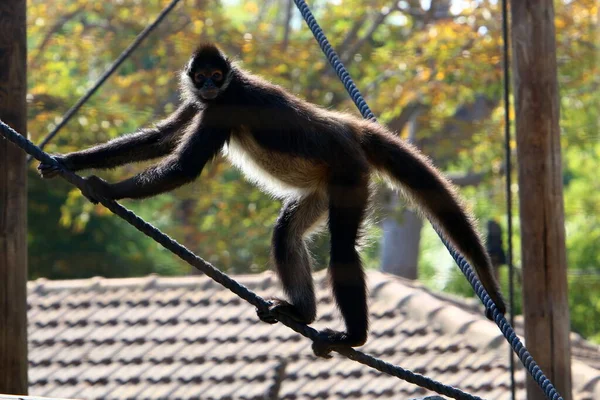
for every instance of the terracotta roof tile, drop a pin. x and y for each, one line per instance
(157, 390)
(93, 390)
(195, 352)
(130, 374)
(160, 373)
(137, 333)
(69, 376)
(191, 390)
(98, 373)
(45, 355)
(41, 375)
(187, 337)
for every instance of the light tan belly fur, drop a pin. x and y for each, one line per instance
(278, 174)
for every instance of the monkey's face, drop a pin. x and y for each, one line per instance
(208, 72)
(208, 81)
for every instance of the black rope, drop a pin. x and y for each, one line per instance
(114, 66)
(465, 267)
(229, 283)
(508, 169)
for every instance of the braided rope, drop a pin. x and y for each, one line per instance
(334, 60)
(229, 283)
(465, 267)
(507, 330)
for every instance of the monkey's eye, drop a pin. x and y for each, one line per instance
(217, 76)
(199, 77)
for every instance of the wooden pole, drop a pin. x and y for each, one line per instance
(545, 301)
(13, 201)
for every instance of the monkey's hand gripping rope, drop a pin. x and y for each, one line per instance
(237, 288)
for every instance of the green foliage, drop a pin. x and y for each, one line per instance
(94, 244)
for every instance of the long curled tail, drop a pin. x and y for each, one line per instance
(434, 195)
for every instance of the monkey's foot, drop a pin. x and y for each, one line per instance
(500, 306)
(97, 189)
(283, 307)
(488, 314)
(330, 340)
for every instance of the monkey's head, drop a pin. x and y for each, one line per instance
(207, 74)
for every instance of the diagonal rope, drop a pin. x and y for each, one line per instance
(229, 283)
(114, 66)
(465, 267)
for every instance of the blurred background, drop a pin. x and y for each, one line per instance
(431, 70)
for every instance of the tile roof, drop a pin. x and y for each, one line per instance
(187, 337)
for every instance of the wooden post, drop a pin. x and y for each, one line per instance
(13, 201)
(545, 300)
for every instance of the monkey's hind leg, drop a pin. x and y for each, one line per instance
(292, 259)
(349, 196)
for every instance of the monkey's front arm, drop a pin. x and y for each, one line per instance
(143, 145)
(184, 165)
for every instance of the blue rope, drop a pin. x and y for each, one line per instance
(465, 267)
(334, 60)
(229, 283)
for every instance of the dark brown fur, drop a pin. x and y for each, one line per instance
(319, 161)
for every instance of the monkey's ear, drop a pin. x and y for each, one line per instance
(233, 60)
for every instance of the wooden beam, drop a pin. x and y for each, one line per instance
(545, 300)
(13, 201)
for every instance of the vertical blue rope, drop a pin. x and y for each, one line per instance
(334, 60)
(507, 330)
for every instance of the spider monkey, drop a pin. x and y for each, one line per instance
(318, 161)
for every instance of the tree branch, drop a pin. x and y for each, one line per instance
(398, 123)
(380, 19)
(351, 35)
(466, 179)
(286, 26)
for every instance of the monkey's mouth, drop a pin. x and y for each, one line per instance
(209, 94)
